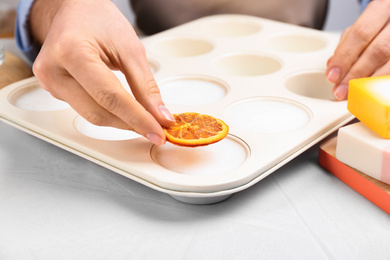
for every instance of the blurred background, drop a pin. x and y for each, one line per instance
(341, 15)
(7, 17)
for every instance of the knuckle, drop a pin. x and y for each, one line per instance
(40, 68)
(343, 54)
(344, 58)
(133, 121)
(357, 73)
(37, 67)
(362, 32)
(380, 51)
(69, 51)
(42, 72)
(152, 88)
(137, 120)
(61, 48)
(107, 99)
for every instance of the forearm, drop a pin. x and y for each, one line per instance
(43, 12)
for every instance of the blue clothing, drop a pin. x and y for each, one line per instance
(364, 4)
(23, 37)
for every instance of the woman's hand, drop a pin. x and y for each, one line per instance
(364, 49)
(82, 41)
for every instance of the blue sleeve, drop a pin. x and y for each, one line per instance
(364, 4)
(23, 36)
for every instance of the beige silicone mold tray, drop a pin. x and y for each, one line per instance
(264, 79)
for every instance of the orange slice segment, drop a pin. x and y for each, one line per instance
(194, 129)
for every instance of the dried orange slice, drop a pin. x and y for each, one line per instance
(194, 129)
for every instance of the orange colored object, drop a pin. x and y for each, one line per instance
(374, 190)
(194, 129)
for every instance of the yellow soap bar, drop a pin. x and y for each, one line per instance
(369, 101)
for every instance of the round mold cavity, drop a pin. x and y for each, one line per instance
(232, 27)
(247, 64)
(221, 157)
(268, 115)
(192, 90)
(181, 47)
(294, 42)
(35, 98)
(311, 84)
(103, 132)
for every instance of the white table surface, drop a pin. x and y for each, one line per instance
(56, 205)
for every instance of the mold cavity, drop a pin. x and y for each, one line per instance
(296, 43)
(192, 90)
(103, 132)
(247, 65)
(267, 115)
(310, 84)
(34, 98)
(233, 27)
(213, 159)
(181, 47)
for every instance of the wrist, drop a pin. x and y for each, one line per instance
(43, 12)
(41, 16)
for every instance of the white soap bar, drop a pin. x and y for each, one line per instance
(364, 150)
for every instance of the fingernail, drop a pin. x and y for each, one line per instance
(341, 92)
(334, 75)
(155, 139)
(165, 113)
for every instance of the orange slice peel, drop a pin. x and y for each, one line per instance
(193, 129)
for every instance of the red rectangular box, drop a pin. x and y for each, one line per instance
(374, 190)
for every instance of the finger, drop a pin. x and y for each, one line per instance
(143, 85)
(374, 57)
(344, 33)
(359, 36)
(340, 92)
(147, 93)
(62, 86)
(106, 90)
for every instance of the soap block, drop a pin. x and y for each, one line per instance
(362, 149)
(369, 101)
(374, 190)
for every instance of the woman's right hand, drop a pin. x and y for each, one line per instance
(82, 42)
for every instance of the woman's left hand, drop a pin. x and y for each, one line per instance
(364, 49)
